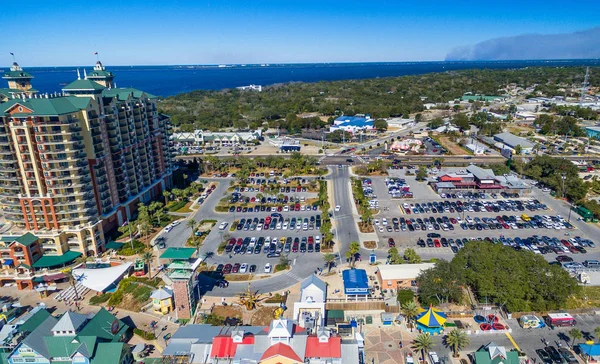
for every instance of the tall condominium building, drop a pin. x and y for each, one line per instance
(74, 166)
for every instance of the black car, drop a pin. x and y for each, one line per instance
(219, 268)
(252, 268)
(273, 255)
(556, 357)
(433, 235)
(545, 358)
(567, 355)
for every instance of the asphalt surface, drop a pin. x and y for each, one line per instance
(347, 229)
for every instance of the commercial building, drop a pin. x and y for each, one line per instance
(400, 276)
(75, 165)
(492, 353)
(202, 137)
(356, 283)
(593, 132)
(508, 140)
(281, 342)
(353, 124)
(72, 338)
(475, 177)
(309, 311)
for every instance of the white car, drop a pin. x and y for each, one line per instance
(168, 228)
(223, 225)
(244, 268)
(268, 268)
(317, 239)
(285, 225)
(384, 221)
(376, 222)
(337, 208)
(286, 208)
(176, 222)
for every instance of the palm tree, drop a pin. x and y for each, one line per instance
(575, 334)
(196, 243)
(147, 258)
(597, 332)
(352, 250)
(249, 299)
(191, 224)
(329, 259)
(167, 196)
(423, 342)
(457, 340)
(410, 311)
(72, 281)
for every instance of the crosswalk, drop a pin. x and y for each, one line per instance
(294, 276)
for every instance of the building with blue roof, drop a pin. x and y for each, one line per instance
(352, 124)
(356, 282)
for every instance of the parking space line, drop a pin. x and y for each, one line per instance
(512, 341)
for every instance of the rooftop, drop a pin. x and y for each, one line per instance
(512, 140)
(48, 261)
(45, 107)
(355, 281)
(402, 271)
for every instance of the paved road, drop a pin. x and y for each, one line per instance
(347, 230)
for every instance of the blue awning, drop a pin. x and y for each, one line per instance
(591, 350)
(8, 262)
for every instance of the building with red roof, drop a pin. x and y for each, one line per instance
(323, 346)
(225, 346)
(278, 352)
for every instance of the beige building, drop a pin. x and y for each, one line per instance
(75, 166)
(400, 276)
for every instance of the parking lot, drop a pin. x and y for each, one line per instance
(439, 227)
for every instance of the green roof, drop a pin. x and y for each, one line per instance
(481, 97)
(483, 356)
(27, 239)
(48, 261)
(108, 353)
(178, 253)
(123, 94)
(23, 265)
(48, 107)
(34, 321)
(335, 314)
(61, 346)
(9, 91)
(83, 85)
(9, 238)
(16, 74)
(113, 245)
(100, 326)
(100, 74)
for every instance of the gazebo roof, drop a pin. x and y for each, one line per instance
(431, 318)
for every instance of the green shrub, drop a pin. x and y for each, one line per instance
(138, 247)
(176, 205)
(405, 295)
(146, 335)
(96, 300)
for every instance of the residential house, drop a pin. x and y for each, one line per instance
(309, 311)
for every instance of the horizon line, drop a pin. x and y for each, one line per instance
(268, 64)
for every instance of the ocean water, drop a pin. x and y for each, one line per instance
(172, 80)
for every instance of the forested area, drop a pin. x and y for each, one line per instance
(517, 280)
(380, 97)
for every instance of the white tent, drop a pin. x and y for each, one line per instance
(101, 278)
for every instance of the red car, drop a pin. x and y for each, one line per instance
(407, 211)
(227, 268)
(299, 189)
(566, 243)
(295, 247)
(297, 207)
(311, 240)
(437, 244)
(253, 199)
(236, 268)
(453, 220)
(391, 243)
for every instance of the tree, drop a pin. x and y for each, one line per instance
(405, 295)
(196, 243)
(421, 174)
(457, 340)
(381, 125)
(410, 310)
(411, 256)
(575, 334)
(440, 284)
(147, 257)
(167, 196)
(156, 209)
(424, 343)
(191, 223)
(518, 149)
(353, 249)
(597, 332)
(329, 261)
(394, 256)
(72, 281)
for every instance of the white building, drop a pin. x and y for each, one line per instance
(310, 309)
(475, 148)
(201, 137)
(353, 124)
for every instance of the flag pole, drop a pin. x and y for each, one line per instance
(13, 56)
(130, 237)
(97, 56)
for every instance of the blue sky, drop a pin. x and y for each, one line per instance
(134, 32)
